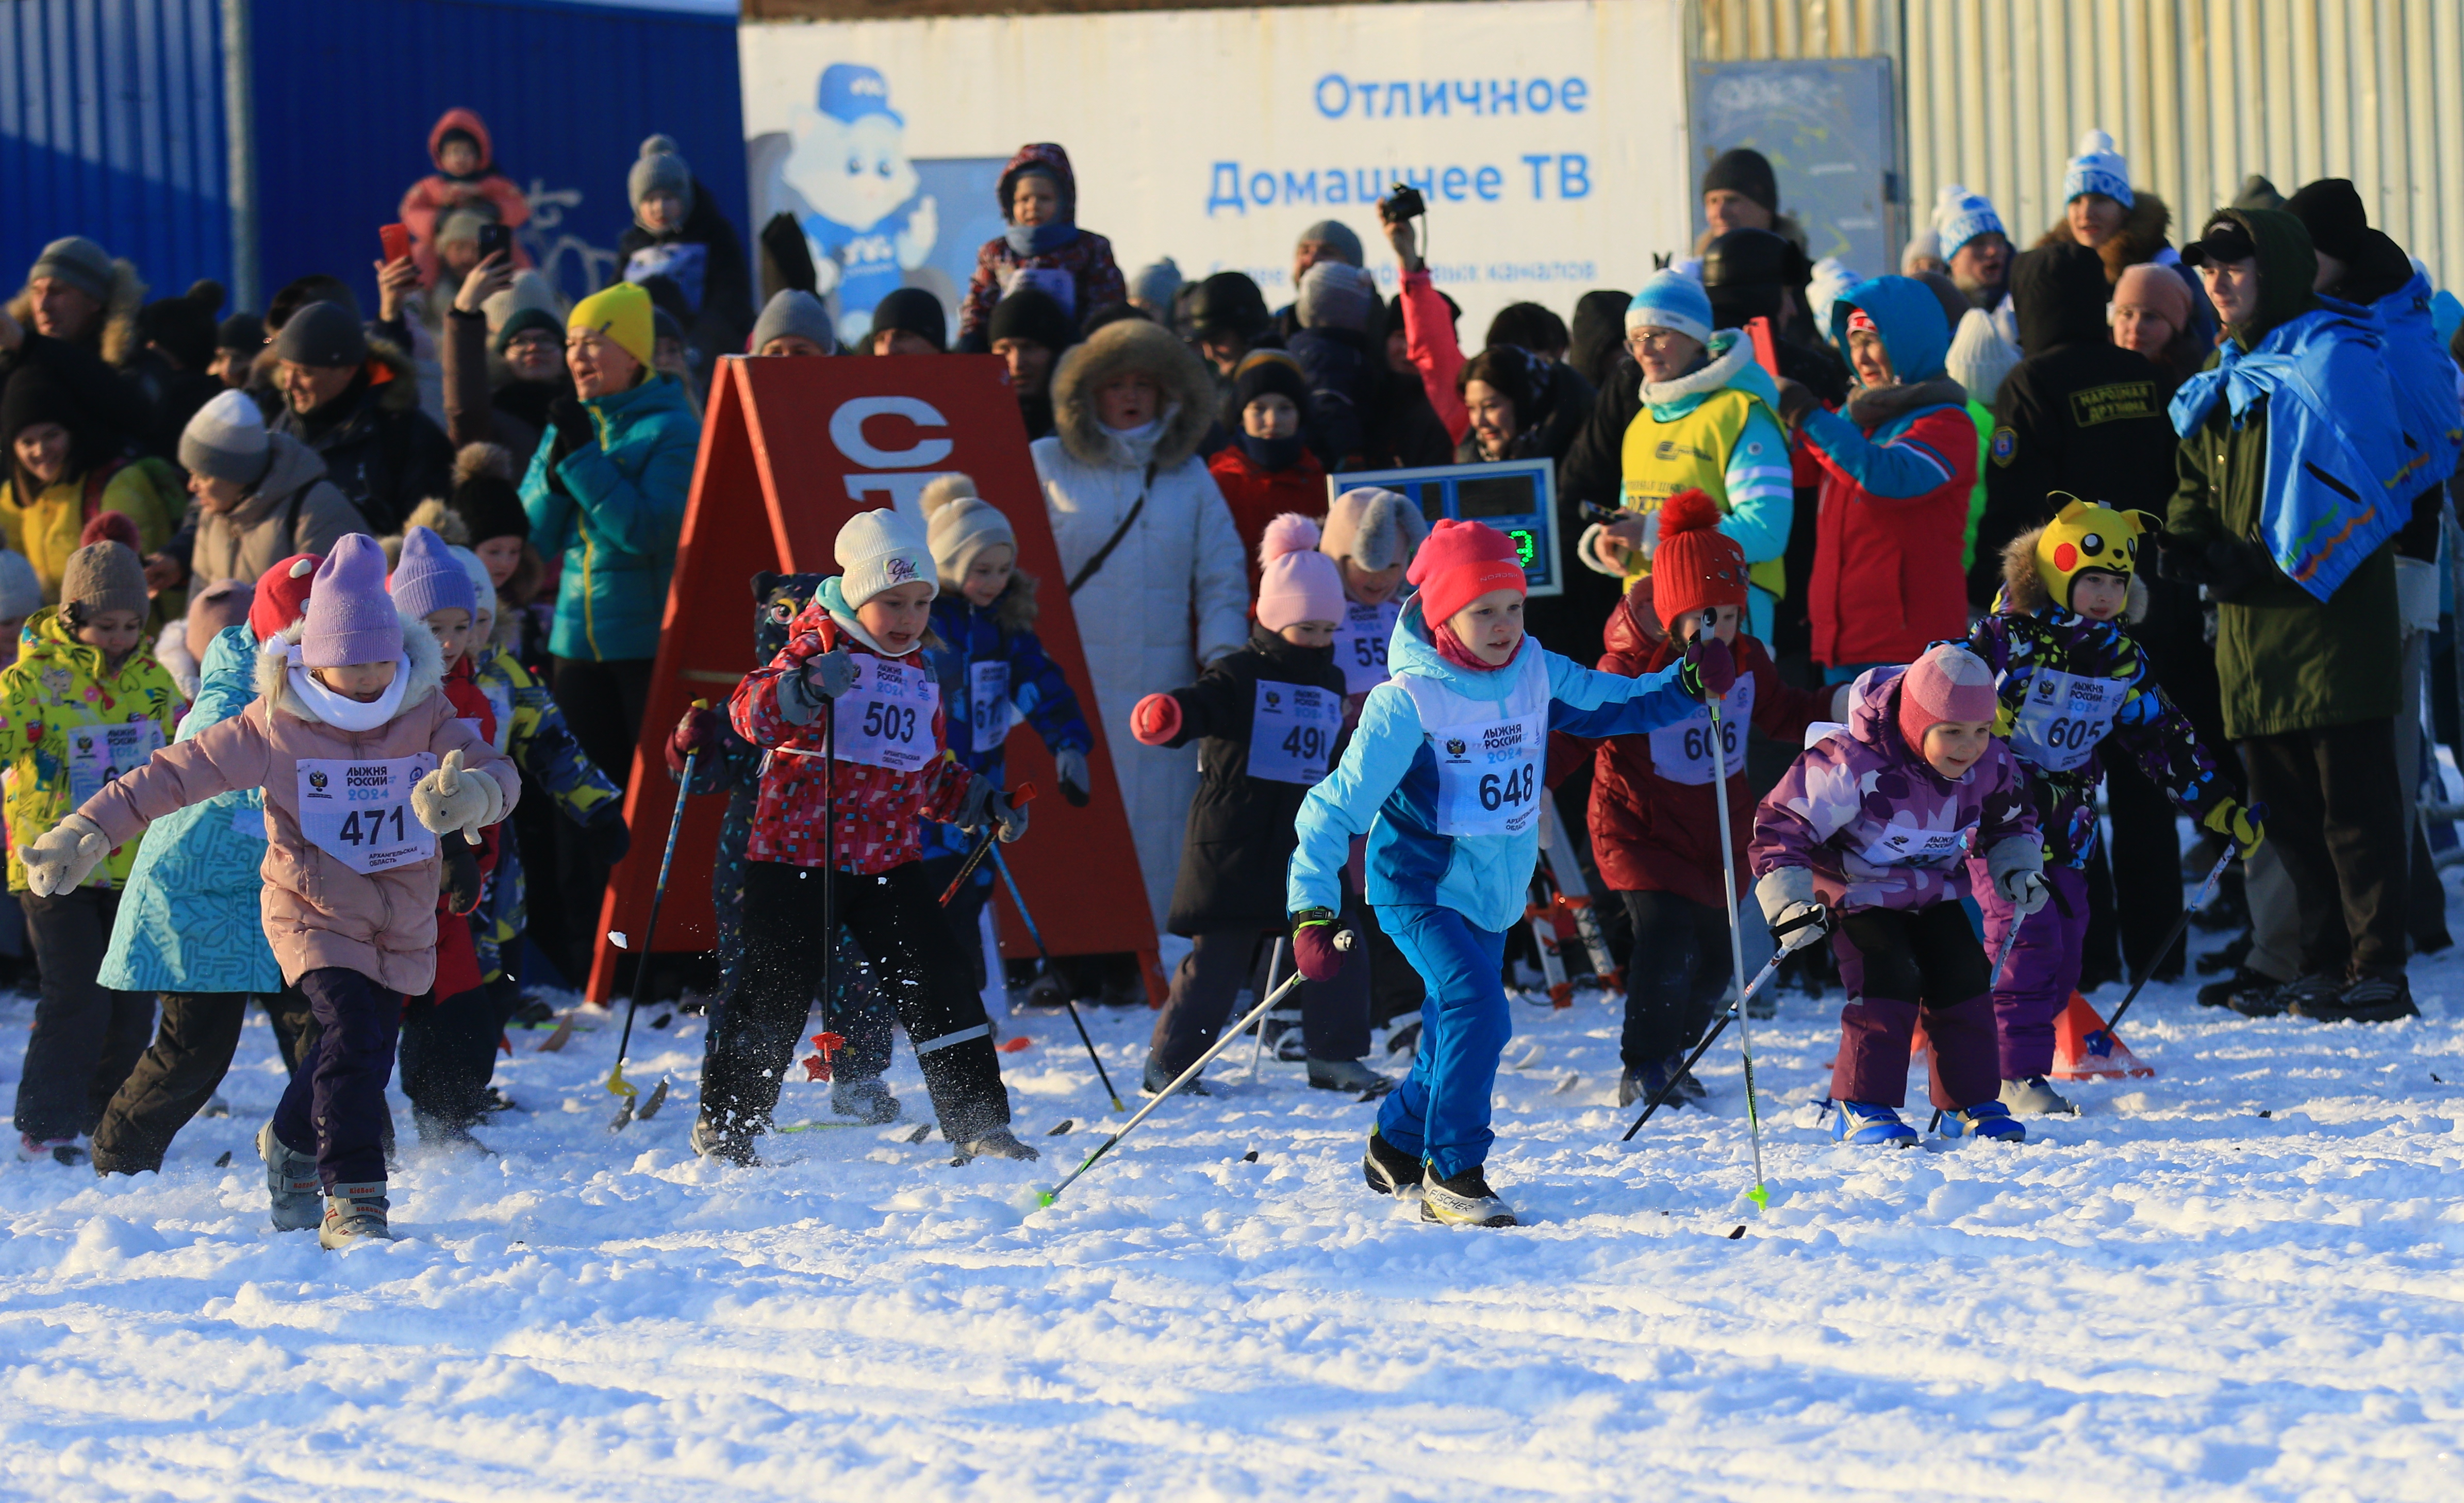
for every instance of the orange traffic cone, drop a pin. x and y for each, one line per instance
(2084, 1049)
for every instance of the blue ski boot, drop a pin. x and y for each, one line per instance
(1987, 1119)
(1865, 1125)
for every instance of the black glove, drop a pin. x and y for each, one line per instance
(2235, 566)
(1796, 402)
(571, 421)
(608, 837)
(462, 882)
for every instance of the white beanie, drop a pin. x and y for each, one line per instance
(959, 525)
(481, 583)
(226, 439)
(880, 550)
(1960, 217)
(2098, 169)
(21, 593)
(1980, 358)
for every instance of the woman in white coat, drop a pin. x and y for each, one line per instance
(1158, 589)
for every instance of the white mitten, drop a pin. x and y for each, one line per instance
(1795, 914)
(63, 856)
(455, 798)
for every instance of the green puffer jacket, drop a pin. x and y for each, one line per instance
(2287, 661)
(613, 508)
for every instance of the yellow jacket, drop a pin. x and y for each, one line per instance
(46, 530)
(67, 728)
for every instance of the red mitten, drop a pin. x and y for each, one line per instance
(700, 731)
(1319, 947)
(1157, 720)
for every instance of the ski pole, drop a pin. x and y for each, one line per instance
(1001, 864)
(617, 1084)
(1342, 942)
(1770, 968)
(975, 858)
(2206, 890)
(1274, 966)
(1760, 1194)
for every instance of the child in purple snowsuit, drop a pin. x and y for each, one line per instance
(2073, 683)
(1868, 838)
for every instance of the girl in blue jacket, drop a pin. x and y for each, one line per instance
(1443, 776)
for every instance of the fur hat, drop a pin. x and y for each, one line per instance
(1949, 683)
(484, 497)
(1462, 562)
(1297, 583)
(351, 615)
(1131, 347)
(959, 525)
(1696, 566)
(21, 592)
(880, 550)
(112, 527)
(429, 580)
(101, 577)
(281, 595)
(226, 439)
(1376, 530)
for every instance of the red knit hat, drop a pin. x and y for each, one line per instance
(1462, 562)
(1949, 683)
(1697, 566)
(282, 595)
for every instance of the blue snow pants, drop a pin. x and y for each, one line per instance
(1440, 1114)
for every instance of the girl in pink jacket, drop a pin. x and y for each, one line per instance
(364, 763)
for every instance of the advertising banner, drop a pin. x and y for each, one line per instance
(1549, 139)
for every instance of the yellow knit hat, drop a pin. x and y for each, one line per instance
(622, 313)
(2088, 536)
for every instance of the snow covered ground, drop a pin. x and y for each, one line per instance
(2238, 1279)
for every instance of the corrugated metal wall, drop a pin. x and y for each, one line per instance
(111, 127)
(2198, 94)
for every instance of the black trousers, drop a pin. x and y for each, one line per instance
(1679, 967)
(603, 705)
(1335, 1015)
(447, 1056)
(87, 1037)
(2337, 816)
(193, 1044)
(894, 917)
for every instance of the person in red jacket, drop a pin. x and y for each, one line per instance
(1267, 469)
(1898, 465)
(466, 174)
(849, 713)
(1655, 824)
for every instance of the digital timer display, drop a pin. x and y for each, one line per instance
(1516, 496)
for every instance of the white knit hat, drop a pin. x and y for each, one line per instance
(226, 439)
(1980, 358)
(881, 550)
(21, 593)
(960, 525)
(482, 583)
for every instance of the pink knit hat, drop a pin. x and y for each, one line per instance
(351, 616)
(2148, 285)
(1949, 683)
(1299, 582)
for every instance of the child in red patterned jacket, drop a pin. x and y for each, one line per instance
(853, 674)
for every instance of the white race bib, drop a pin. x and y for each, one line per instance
(1489, 775)
(2065, 715)
(1912, 844)
(1360, 644)
(1291, 732)
(100, 753)
(1681, 753)
(988, 706)
(358, 812)
(885, 719)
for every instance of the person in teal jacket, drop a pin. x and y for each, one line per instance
(607, 489)
(1443, 777)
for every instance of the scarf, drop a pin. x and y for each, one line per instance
(1272, 454)
(341, 711)
(1134, 447)
(1450, 647)
(1041, 239)
(834, 599)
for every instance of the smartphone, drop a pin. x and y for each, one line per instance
(397, 240)
(495, 238)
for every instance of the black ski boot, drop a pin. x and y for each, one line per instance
(1389, 1170)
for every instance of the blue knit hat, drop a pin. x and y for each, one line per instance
(2098, 169)
(1960, 217)
(351, 619)
(1672, 301)
(429, 579)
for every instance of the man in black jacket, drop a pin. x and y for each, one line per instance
(358, 407)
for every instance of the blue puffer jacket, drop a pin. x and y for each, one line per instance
(1003, 633)
(613, 509)
(188, 918)
(1387, 784)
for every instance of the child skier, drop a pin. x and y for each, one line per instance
(1866, 839)
(1269, 718)
(344, 739)
(1443, 776)
(853, 726)
(1652, 814)
(2073, 682)
(85, 700)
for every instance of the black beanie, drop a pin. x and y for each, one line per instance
(1030, 315)
(1266, 372)
(34, 396)
(2331, 210)
(911, 310)
(1742, 170)
(1231, 303)
(241, 331)
(484, 496)
(323, 334)
(183, 325)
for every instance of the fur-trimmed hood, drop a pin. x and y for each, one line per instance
(2023, 589)
(1132, 347)
(274, 669)
(118, 342)
(2145, 225)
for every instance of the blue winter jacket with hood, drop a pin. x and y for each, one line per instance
(1387, 783)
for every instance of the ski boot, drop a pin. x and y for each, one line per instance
(2383, 998)
(1389, 1170)
(1464, 1199)
(1156, 1078)
(1348, 1074)
(54, 1150)
(1985, 1120)
(2301, 997)
(291, 1181)
(1862, 1124)
(995, 1143)
(2034, 1097)
(1641, 1085)
(355, 1214)
(866, 1098)
(2243, 983)
(712, 1141)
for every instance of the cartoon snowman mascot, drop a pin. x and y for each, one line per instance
(868, 228)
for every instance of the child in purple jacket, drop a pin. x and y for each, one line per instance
(1866, 839)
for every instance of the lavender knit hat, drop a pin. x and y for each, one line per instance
(351, 618)
(429, 579)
